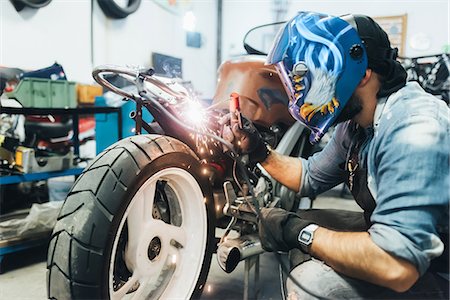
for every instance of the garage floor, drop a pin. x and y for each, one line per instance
(25, 272)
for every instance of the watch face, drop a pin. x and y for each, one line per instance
(305, 237)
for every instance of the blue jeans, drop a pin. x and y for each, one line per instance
(323, 281)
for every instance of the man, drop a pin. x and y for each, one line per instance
(391, 146)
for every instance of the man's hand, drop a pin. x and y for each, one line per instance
(246, 140)
(279, 229)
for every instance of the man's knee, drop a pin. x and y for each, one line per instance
(308, 280)
(314, 279)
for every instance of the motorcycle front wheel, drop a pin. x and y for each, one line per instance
(137, 224)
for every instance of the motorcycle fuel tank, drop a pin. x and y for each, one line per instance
(262, 96)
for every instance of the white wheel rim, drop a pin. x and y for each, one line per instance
(174, 272)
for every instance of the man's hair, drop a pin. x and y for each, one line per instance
(382, 58)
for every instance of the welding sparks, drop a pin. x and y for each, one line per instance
(197, 117)
(194, 113)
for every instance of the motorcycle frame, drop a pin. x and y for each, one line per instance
(285, 146)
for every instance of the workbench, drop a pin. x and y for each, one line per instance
(24, 242)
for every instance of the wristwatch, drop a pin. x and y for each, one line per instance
(305, 237)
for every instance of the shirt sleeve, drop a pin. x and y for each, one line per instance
(412, 176)
(324, 170)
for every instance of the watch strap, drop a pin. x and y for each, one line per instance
(306, 236)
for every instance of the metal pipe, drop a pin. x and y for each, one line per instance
(219, 33)
(232, 251)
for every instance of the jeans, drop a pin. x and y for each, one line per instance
(323, 281)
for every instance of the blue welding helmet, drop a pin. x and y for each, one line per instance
(320, 59)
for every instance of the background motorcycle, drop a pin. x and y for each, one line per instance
(140, 221)
(432, 72)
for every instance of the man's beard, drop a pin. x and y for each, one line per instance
(351, 109)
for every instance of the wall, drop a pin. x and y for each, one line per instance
(61, 32)
(426, 17)
(36, 38)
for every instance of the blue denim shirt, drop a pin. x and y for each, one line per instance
(407, 160)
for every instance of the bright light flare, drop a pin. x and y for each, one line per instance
(195, 114)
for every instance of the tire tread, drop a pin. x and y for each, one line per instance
(84, 212)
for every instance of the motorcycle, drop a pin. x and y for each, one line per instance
(140, 221)
(432, 72)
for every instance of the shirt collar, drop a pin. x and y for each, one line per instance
(409, 88)
(381, 104)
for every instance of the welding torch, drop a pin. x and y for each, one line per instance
(235, 110)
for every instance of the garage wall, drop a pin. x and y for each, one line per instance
(36, 38)
(426, 18)
(61, 32)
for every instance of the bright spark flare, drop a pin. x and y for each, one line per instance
(194, 113)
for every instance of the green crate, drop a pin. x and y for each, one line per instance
(45, 93)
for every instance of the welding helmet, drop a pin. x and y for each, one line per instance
(320, 59)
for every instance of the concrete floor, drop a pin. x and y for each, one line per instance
(24, 273)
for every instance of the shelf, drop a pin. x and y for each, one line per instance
(38, 176)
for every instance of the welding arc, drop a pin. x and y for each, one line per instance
(188, 128)
(246, 178)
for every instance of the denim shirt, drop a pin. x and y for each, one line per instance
(407, 159)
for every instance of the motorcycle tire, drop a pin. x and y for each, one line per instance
(21, 4)
(115, 11)
(110, 240)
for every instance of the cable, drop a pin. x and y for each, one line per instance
(285, 269)
(234, 155)
(277, 256)
(242, 190)
(92, 34)
(255, 205)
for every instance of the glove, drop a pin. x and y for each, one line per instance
(246, 140)
(279, 229)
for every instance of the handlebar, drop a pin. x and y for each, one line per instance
(157, 87)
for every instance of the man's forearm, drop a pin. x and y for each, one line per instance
(356, 255)
(284, 169)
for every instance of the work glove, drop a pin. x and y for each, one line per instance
(279, 229)
(246, 140)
